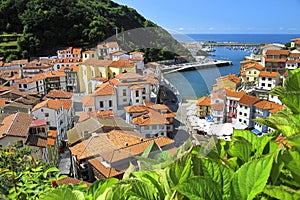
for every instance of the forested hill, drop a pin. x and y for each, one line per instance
(42, 26)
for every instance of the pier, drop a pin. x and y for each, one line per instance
(231, 44)
(166, 69)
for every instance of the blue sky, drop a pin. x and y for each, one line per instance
(221, 16)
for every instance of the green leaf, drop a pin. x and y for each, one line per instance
(240, 148)
(116, 192)
(281, 192)
(218, 173)
(291, 161)
(251, 178)
(64, 193)
(98, 187)
(50, 170)
(199, 188)
(294, 140)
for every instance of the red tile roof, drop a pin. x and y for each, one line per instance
(105, 89)
(59, 94)
(277, 52)
(54, 104)
(122, 63)
(268, 105)
(88, 101)
(248, 100)
(269, 74)
(204, 101)
(38, 122)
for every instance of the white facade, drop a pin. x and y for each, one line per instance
(108, 102)
(291, 64)
(244, 115)
(152, 130)
(34, 86)
(274, 99)
(267, 83)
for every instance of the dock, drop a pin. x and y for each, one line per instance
(166, 69)
(231, 44)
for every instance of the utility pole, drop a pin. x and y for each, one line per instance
(116, 31)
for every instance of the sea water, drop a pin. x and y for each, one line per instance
(194, 84)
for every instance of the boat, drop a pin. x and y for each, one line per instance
(208, 49)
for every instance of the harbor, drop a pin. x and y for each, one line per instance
(205, 63)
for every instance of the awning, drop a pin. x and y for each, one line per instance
(257, 132)
(209, 119)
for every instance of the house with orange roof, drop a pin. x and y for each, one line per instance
(273, 46)
(268, 80)
(107, 48)
(20, 129)
(95, 81)
(72, 80)
(36, 67)
(264, 109)
(120, 66)
(151, 120)
(293, 60)
(109, 154)
(58, 113)
(275, 60)
(65, 62)
(15, 64)
(250, 73)
(32, 84)
(58, 94)
(203, 106)
(231, 82)
(245, 110)
(10, 77)
(218, 106)
(69, 52)
(105, 97)
(232, 98)
(295, 43)
(138, 58)
(89, 54)
(89, 69)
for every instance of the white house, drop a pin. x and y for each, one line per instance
(69, 52)
(245, 110)
(58, 114)
(151, 120)
(105, 49)
(218, 106)
(268, 80)
(105, 97)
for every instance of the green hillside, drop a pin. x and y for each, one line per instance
(46, 25)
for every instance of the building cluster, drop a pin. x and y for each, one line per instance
(88, 111)
(239, 99)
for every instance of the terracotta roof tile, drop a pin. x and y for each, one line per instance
(268, 74)
(248, 100)
(38, 122)
(59, 94)
(16, 125)
(277, 52)
(88, 101)
(275, 60)
(231, 77)
(97, 62)
(268, 105)
(108, 172)
(105, 89)
(54, 104)
(151, 118)
(254, 65)
(122, 63)
(72, 68)
(204, 101)
(235, 94)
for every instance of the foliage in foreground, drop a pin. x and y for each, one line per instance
(248, 167)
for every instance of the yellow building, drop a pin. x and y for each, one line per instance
(231, 82)
(250, 73)
(203, 107)
(119, 67)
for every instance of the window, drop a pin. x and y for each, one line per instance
(254, 72)
(136, 93)
(269, 85)
(24, 85)
(42, 110)
(46, 114)
(101, 104)
(249, 72)
(240, 113)
(124, 100)
(144, 97)
(263, 78)
(245, 114)
(137, 100)
(146, 128)
(144, 91)
(110, 103)
(20, 85)
(124, 92)
(240, 120)
(270, 79)
(263, 84)
(246, 107)
(245, 122)
(20, 143)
